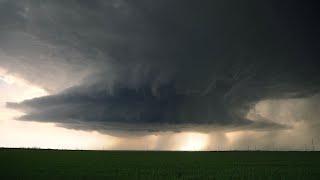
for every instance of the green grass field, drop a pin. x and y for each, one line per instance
(53, 164)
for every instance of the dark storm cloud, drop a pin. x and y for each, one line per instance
(159, 65)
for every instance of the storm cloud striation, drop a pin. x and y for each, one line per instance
(159, 65)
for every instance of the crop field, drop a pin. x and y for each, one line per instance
(59, 164)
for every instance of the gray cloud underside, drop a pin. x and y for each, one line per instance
(158, 65)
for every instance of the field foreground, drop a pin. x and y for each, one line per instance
(58, 164)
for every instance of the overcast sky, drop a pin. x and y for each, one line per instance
(157, 74)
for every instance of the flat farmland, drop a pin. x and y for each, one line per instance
(64, 164)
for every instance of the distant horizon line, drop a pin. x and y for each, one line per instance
(132, 150)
